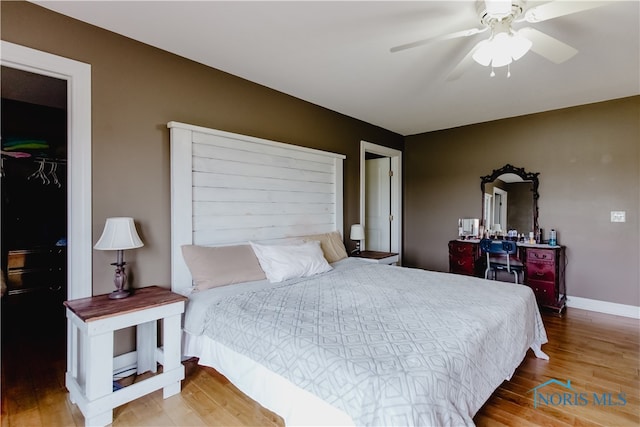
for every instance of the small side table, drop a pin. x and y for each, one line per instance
(90, 329)
(378, 257)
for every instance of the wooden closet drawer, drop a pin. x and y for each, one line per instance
(35, 258)
(30, 280)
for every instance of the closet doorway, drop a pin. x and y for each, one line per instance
(34, 205)
(25, 359)
(79, 222)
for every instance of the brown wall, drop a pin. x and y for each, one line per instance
(136, 90)
(589, 160)
(588, 156)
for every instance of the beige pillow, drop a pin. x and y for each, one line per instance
(222, 265)
(331, 244)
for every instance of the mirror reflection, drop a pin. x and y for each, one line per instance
(509, 202)
(468, 227)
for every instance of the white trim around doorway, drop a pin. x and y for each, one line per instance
(396, 191)
(79, 221)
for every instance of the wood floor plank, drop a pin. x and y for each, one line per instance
(179, 410)
(599, 353)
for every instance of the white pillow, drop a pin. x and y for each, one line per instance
(282, 262)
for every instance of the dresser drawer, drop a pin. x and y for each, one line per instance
(461, 249)
(541, 255)
(545, 292)
(541, 271)
(462, 265)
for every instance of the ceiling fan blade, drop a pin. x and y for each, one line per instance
(548, 47)
(555, 9)
(457, 34)
(463, 65)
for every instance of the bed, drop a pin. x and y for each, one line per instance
(320, 338)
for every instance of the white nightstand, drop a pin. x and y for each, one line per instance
(378, 257)
(90, 327)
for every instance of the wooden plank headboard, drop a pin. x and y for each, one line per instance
(229, 189)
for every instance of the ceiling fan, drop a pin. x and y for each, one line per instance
(505, 44)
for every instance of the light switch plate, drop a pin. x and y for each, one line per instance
(618, 216)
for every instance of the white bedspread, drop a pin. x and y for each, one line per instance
(385, 345)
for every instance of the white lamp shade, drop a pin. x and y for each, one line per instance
(118, 234)
(357, 232)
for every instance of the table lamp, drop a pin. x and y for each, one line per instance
(118, 235)
(357, 234)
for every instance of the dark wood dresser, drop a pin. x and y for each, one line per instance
(544, 268)
(544, 273)
(464, 258)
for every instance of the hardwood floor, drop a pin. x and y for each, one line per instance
(598, 353)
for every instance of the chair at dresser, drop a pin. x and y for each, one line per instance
(501, 255)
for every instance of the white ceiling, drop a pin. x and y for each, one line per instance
(336, 54)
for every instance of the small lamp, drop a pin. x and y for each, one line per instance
(119, 234)
(357, 234)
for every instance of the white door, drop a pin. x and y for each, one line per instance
(500, 209)
(378, 204)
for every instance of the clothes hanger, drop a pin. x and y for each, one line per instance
(52, 174)
(40, 172)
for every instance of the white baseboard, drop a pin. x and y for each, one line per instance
(604, 307)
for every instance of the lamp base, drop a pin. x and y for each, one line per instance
(119, 294)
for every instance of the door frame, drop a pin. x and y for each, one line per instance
(396, 191)
(79, 221)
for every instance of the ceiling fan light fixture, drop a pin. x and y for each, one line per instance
(484, 53)
(501, 49)
(519, 46)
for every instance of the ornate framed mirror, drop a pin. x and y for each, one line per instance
(510, 200)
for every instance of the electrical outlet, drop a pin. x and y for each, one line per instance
(618, 216)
